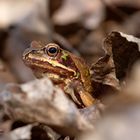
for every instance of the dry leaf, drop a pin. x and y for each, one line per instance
(111, 69)
(90, 13)
(32, 17)
(39, 101)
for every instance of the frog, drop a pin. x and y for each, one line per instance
(65, 69)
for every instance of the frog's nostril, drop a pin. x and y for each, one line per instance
(26, 52)
(25, 55)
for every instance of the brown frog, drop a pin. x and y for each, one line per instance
(64, 68)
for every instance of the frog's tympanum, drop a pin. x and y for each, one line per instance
(64, 68)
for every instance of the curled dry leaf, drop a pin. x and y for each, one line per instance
(122, 47)
(111, 69)
(39, 101)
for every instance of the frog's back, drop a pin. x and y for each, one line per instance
(84, 73)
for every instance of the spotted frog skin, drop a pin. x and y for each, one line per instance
(64, 68)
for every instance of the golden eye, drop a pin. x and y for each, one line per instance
(52, 50)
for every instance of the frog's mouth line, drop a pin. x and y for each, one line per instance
(39, 64)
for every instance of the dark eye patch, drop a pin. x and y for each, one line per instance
(52, 50)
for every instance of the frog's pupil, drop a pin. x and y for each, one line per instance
(52, 50)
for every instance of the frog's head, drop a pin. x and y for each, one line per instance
(50, 60)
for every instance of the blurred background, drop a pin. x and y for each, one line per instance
(77, 25)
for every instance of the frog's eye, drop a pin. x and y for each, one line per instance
(52, 50)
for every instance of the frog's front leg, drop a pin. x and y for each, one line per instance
(85, 96)
(71, 92)
(80, 96)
